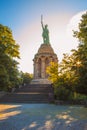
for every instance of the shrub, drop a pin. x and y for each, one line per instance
(61, 93)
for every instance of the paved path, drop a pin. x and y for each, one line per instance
(42, 117)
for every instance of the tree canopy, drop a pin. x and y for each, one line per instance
(9, 50)
(72, 70)
(82, 54)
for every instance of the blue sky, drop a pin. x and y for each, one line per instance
(23, 17)
(14, 13)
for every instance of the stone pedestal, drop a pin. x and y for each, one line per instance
(40, 81)
(42, 59)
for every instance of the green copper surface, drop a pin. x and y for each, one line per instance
(45, 33)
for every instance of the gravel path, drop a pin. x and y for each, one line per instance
(42, 117)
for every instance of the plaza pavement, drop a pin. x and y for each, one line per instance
(42, 117)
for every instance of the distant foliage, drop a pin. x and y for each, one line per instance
(27, 77)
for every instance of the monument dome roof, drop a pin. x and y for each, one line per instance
(45, 48)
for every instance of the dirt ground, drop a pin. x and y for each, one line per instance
(42, 117)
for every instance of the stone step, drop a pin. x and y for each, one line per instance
(24, 98)
(41, 81)
(36, 88)
(38, 85)
(36, 93)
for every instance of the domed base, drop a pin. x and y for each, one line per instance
(40, 81)
(45, 48)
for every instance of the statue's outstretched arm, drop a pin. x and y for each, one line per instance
(42, 21)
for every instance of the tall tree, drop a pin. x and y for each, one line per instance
(9, 50)
(82, 54)
(7, 40)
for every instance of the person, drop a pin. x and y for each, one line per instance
(45, 33)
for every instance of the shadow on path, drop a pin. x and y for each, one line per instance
(42, 117)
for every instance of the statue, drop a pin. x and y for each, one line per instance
(45, 33)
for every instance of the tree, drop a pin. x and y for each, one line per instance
(71, 76)
(7, 41)
(9, 50)
(82, 54)
(52, 71)
(68, 71)
(4, 78)
(67, 80)
(26, 78)
(64, 77)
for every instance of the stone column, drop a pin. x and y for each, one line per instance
(43, 68)
(35, 69)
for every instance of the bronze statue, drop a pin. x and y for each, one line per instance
(45, 33)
